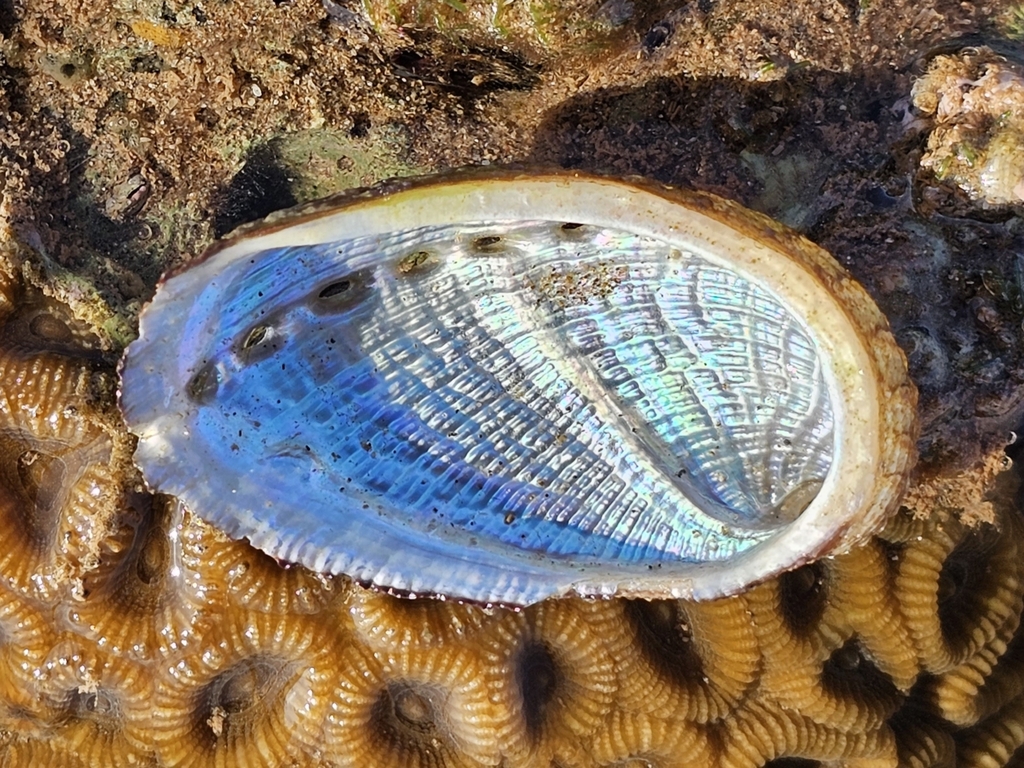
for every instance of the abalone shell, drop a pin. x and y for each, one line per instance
(504, 387)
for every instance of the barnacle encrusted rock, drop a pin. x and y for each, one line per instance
(974, 102)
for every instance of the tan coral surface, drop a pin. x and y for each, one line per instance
(131, 633)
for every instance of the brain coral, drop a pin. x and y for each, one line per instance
(131, 633)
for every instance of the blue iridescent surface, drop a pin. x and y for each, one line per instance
(549, 391)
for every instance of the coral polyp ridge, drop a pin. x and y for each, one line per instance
(508, 386)
(132, 632)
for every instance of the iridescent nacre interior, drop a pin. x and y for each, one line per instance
(132, 633)
(497, 392)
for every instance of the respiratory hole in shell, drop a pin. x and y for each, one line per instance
(488, 245)
(342, 292)
(572, 232)
(417, 263)
(202, 387)
(260, 342)
(255, 336)
(335, 289)
(536, 677)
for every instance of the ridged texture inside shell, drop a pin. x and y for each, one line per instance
(504, 410)
(177, 658)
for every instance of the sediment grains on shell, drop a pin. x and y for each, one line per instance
(253, 690)
(552, 678)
